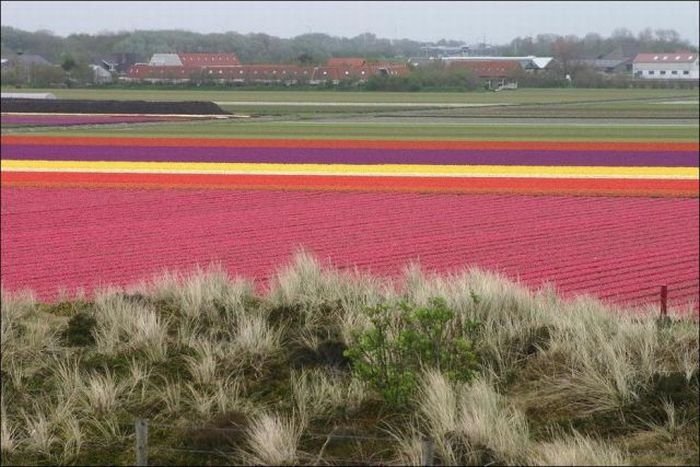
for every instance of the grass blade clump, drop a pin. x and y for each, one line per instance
(273, 440)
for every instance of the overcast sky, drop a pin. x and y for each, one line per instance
(494, 22)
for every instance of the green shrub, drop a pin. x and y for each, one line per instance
(407, 339)
(79, 330)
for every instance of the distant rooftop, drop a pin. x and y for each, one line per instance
(528, 61)
(31, 59)
(194, 59)
(672, 57)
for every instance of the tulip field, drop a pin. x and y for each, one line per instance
(10, 120)
(577, 168)
(614, 218)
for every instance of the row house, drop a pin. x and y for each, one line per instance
(194, 59)
(182, 68)
(336, 74)
(528, 63)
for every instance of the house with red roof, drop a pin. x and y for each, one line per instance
(171, 73)
(495, 74)
(682, 65)
(346, 62)
(200, 59)
(184, 67)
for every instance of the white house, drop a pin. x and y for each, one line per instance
(101, 75)
(675, 65)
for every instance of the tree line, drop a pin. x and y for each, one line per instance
(315, 47)
(74, 52)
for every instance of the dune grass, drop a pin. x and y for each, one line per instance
(225, 374)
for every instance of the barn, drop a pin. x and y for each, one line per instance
(681, 65)
(495, 74)
(219, 67)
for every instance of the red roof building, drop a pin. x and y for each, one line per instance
(681, 65)
(200, 59)
(225, 67)
(346, 61)
(145, 71)
(673, 57)
(489, 69)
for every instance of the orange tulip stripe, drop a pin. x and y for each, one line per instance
(551, 186)
(570, 168)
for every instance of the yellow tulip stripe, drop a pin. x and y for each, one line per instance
(398, 170)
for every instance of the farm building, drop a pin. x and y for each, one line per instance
(30, 69)
(25, 61)
(201, 59)
(181, 68)
(346, 61)
(28, 60)
(495, 74)
(676, 65)
(606, 65)
(119, 62)
(617, 61)
(194, 60)
(165, 60)
(337, 70)
(529, 63)
(444, 50)
(100, 75)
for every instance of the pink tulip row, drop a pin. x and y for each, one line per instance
(620, 249)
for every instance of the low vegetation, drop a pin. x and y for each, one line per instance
(335, 367)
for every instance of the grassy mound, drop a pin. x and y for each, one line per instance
(304, 374)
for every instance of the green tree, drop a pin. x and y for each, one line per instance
(68, 63)
(406, 339)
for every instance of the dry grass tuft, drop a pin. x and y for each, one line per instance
(273, 440)
(124, 325)
(409, 447)
(203, 293)
(71, 435)
(324, 297)
(101, 392)
(472, 422)
(577, 449)
(9, 441)
(488, 421)
(221, 397)
(202, 367)
(255, 342)
(40, 431)
(318, 394)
